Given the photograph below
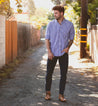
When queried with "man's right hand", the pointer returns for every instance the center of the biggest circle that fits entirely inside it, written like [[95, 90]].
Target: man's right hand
[[50, 55]]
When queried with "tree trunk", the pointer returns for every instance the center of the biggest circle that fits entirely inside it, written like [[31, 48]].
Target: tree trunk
[[83, 24]]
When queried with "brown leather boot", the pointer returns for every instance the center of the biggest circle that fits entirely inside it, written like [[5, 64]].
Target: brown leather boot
[[48, 95], [61, 98]]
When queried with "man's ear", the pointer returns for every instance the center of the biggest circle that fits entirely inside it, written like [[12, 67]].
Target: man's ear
[[62, 13]]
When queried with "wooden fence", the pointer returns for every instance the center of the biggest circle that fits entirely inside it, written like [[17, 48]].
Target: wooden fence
[[11, 40], [19, 37], [93, 42], [28, 36]]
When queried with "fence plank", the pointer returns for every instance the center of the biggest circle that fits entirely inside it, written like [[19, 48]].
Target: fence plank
[[14, 40], [11, 40], [93, 41]]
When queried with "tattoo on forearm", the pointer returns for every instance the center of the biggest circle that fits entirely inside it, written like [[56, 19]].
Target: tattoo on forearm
[[70, 43]]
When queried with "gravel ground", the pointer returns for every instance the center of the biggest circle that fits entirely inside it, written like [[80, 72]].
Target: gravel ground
[[27, 82]]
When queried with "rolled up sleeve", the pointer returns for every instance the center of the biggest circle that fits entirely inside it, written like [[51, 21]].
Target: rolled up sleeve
[[47, 33], [72, 33]]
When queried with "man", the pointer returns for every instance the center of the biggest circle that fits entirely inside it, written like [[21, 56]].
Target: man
[[59, 37]]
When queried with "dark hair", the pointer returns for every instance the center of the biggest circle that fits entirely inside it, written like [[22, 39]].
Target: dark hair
[[59, 8]]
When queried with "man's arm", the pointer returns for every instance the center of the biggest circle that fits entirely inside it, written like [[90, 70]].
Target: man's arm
[[48, 45], [50, 54], [69, 45], [71, 37]]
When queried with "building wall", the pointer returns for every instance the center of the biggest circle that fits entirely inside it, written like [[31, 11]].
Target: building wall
[[93, 43], [2, 41]]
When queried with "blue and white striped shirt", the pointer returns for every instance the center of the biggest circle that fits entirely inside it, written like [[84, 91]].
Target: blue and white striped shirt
[[59, 35]]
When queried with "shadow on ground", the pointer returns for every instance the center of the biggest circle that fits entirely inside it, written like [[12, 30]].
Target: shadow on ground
[[26, 87]]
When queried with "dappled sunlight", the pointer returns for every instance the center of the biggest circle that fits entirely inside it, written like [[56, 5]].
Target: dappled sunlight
[[76, 62], [79, 73], [44, 60], [82, 65], [89, 95], [51, 103], [55, 77], [55, 103], [42, 39], [26, 85], [39, 89], [86, 90], [45, 56], [39, 76], [39, 103], [84, 85]]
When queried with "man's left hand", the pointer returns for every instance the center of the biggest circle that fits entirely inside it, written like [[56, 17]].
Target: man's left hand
[[66, 50]]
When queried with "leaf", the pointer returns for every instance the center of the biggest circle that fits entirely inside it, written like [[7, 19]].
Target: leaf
[[1, 1], [82, 73]]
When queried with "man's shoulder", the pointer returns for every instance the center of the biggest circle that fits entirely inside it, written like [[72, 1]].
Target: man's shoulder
[[52, 22]]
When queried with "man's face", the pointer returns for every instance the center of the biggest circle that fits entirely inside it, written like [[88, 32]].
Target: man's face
[[57, 14]]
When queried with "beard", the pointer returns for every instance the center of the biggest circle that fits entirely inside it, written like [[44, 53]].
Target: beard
[[57, 18]]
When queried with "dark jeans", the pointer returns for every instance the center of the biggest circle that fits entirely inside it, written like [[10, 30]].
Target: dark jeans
[[63, 62]]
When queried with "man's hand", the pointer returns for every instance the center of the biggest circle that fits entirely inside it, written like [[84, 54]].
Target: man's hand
[[66, 50], [50, 55]]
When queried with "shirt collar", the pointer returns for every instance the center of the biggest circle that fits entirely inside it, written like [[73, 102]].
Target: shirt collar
[[61, 22]]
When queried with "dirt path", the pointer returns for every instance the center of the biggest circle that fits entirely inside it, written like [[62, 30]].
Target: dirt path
[[26, 85]]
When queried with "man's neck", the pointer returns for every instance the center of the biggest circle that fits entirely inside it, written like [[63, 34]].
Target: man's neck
[[60, 20]]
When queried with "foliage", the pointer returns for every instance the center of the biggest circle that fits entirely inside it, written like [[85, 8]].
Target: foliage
[[92, 11], [76, 7], [5, 8], [76, 4], [62, 2], [39, 19], [19, 6], [92, 5], [1, 1], [29, 6], [56, 2], [50, 16], [71, 15]]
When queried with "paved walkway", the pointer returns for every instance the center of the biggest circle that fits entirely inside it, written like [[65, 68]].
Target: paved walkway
[[26, 85]]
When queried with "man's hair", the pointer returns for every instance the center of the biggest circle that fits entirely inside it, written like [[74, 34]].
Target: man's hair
[[59, 8]]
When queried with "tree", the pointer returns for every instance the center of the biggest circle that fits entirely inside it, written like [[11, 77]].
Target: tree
[[19, 6], [62, 2], [29, 6], [5, 8], [50, 16], [83, 24], [39, 19], [93, 4], [56, 2]]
